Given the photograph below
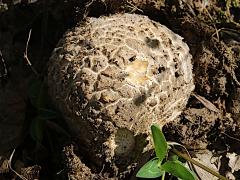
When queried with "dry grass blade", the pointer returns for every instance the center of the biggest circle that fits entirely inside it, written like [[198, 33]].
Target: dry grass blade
[[206, 103], [133, 7], [191, 166], [209, 170], [26, 54], [87, 7], [10, 167], [236, 139]]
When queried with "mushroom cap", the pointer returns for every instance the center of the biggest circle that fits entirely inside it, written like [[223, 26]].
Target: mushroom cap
[[112, 77]]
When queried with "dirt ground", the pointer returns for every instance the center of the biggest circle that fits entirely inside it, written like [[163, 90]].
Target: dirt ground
[[29, 123]]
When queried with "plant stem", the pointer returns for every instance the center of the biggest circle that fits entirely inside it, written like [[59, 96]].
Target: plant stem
[[163, 176], [199, 164]]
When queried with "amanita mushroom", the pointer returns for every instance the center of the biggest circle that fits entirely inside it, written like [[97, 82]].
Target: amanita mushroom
[[114, 76]]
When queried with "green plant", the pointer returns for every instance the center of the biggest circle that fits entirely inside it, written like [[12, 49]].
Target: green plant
[[37, 94], [159, 165], [43, 115], [165, 162]]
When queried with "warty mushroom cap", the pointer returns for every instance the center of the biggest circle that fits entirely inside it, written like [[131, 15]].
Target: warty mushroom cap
[[114, 76]]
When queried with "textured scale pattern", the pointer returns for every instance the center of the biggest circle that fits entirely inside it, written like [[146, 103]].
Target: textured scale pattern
[[123, 71]]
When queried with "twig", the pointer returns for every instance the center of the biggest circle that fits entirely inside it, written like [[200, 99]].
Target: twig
[[26, 54], [184, 156]]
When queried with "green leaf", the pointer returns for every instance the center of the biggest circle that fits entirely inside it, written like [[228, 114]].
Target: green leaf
[[150, 170], [37, 129], [174, 157], [37, 93], [160, 143], [47, 114], [33, 91], [178, 169]]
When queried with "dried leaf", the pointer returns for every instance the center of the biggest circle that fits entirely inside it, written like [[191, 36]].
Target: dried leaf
[[206, 103]]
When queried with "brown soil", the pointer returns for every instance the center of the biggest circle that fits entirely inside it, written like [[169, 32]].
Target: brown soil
[[43, 143]]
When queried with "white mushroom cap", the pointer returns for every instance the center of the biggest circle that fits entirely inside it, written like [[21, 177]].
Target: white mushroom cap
[[117, 74]]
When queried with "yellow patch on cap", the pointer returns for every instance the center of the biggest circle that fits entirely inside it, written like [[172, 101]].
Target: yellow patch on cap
[[137, 72]]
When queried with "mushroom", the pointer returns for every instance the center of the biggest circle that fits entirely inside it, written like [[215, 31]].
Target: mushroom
[[112, 77]]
